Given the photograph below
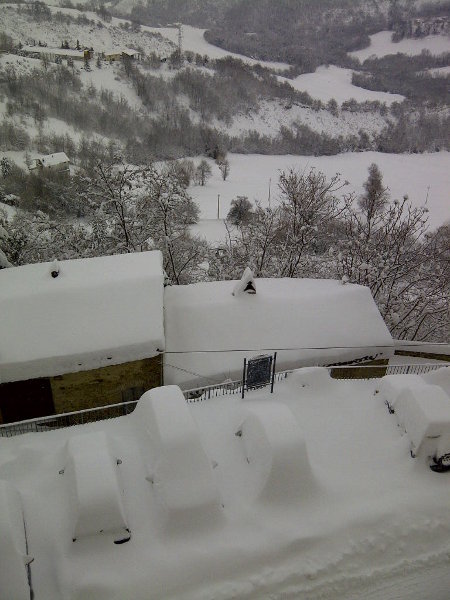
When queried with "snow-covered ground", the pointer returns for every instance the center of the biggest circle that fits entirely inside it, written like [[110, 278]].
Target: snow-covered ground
[[439, 71], [329, 82], [381, 44], [252, 175], [317, 497]]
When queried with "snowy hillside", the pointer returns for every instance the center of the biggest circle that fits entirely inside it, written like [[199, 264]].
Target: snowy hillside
[[309, 493], [273, 115], [101, 35]]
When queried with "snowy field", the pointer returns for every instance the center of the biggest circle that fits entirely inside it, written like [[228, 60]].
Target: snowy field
[[381, 44], [316, 498], [252, 175], [329, 82]]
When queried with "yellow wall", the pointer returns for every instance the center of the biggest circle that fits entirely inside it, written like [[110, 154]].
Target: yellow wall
[[88, 389]]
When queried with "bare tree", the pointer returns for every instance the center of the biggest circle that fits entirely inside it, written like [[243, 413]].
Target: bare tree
[[224, 167], [203, 172], [386, 246]]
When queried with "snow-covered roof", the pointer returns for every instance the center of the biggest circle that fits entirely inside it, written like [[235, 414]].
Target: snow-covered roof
[[69, 52], [96, 312], [116, 51], [210, 331], [130, 51], [51, 160], [319, 497]]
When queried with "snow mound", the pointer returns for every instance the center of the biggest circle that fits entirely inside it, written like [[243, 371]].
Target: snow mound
[[391, 386], [424, 413], [316, 378], [95, 494], [439, 377], [275, 449], [13, 545], [178, 467]]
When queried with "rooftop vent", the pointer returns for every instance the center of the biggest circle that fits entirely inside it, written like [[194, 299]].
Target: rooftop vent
[[54, 268], [246, 285]]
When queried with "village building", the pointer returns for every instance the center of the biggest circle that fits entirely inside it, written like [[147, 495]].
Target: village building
[[57, 162], [79, 333], [53, 53], [212, 327], [121, 54], [90, 332]]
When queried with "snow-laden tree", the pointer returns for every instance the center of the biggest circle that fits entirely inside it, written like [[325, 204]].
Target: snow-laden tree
[[38, 238], [203, 172], [224, 167], [309, 204], [129, 210], [4, 241], [148, 208], [240, 210], [385, 246], [281, 240]]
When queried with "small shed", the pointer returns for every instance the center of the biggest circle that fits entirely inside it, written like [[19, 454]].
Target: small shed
[[79, 333], [57, 162]]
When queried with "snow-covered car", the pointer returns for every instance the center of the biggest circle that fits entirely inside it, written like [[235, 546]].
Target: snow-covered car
[[14, 557]]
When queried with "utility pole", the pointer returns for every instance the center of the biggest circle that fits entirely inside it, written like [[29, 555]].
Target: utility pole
[[218, 206], [180, 41]]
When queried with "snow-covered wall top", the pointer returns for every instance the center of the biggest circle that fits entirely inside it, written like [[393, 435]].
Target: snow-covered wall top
[[96, 312], [303, 319]]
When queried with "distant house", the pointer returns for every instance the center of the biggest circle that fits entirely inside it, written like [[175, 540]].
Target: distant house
[[79, 333], [53, 53], [58, 162], [211, 327], [115, 55]]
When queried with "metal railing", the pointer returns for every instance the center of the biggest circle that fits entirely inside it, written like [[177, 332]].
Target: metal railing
[[200, 394]]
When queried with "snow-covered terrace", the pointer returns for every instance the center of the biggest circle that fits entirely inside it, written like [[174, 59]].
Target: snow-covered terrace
[[307, 493]]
